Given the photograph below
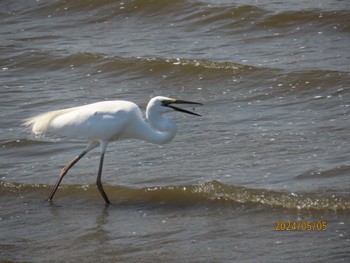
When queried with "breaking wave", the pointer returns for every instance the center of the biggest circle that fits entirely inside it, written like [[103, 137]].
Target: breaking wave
[[209, 193]]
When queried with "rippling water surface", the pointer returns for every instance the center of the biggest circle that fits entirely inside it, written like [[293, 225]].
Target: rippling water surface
[[271, 147]]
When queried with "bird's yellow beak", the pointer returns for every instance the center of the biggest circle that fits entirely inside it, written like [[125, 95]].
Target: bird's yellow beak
[[169, 102]]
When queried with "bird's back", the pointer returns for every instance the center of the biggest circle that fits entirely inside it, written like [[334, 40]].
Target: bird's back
[[98, 121]]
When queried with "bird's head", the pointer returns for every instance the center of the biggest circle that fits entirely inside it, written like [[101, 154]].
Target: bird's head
[[164, 104]]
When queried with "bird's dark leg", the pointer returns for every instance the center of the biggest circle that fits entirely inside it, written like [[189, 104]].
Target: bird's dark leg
[[98, 181], [64, 172]]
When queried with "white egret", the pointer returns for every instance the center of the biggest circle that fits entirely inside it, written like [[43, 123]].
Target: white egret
[[106, 121]]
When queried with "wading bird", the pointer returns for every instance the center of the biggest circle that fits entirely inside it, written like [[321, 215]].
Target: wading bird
[[106, 121]]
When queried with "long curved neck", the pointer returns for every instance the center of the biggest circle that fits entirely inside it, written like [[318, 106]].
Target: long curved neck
[[158, 130]]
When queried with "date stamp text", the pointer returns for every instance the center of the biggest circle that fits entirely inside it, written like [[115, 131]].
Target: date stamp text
[[300, 225]]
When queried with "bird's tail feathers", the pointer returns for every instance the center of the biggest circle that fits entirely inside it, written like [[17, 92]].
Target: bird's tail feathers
[[40, 123]]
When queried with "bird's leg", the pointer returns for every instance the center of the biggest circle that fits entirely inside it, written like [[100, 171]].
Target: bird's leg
[[64, 172], [98, 181]]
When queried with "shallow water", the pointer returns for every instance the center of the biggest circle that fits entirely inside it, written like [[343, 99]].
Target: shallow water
[[270, 148]]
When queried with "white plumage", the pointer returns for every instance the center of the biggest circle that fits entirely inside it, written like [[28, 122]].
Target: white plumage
[[106, 121]]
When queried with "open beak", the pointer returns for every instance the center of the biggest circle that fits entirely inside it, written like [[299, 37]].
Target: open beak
[[183, 102]]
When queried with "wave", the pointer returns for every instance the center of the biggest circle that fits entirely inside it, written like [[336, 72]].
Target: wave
[[338, 20], [194, 13], [99, 63], [206, 194], [96, 62], [105, 8], [24, 142], [317, 174]]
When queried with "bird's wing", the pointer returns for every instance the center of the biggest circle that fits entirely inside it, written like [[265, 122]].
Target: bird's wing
[[100, 121]]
